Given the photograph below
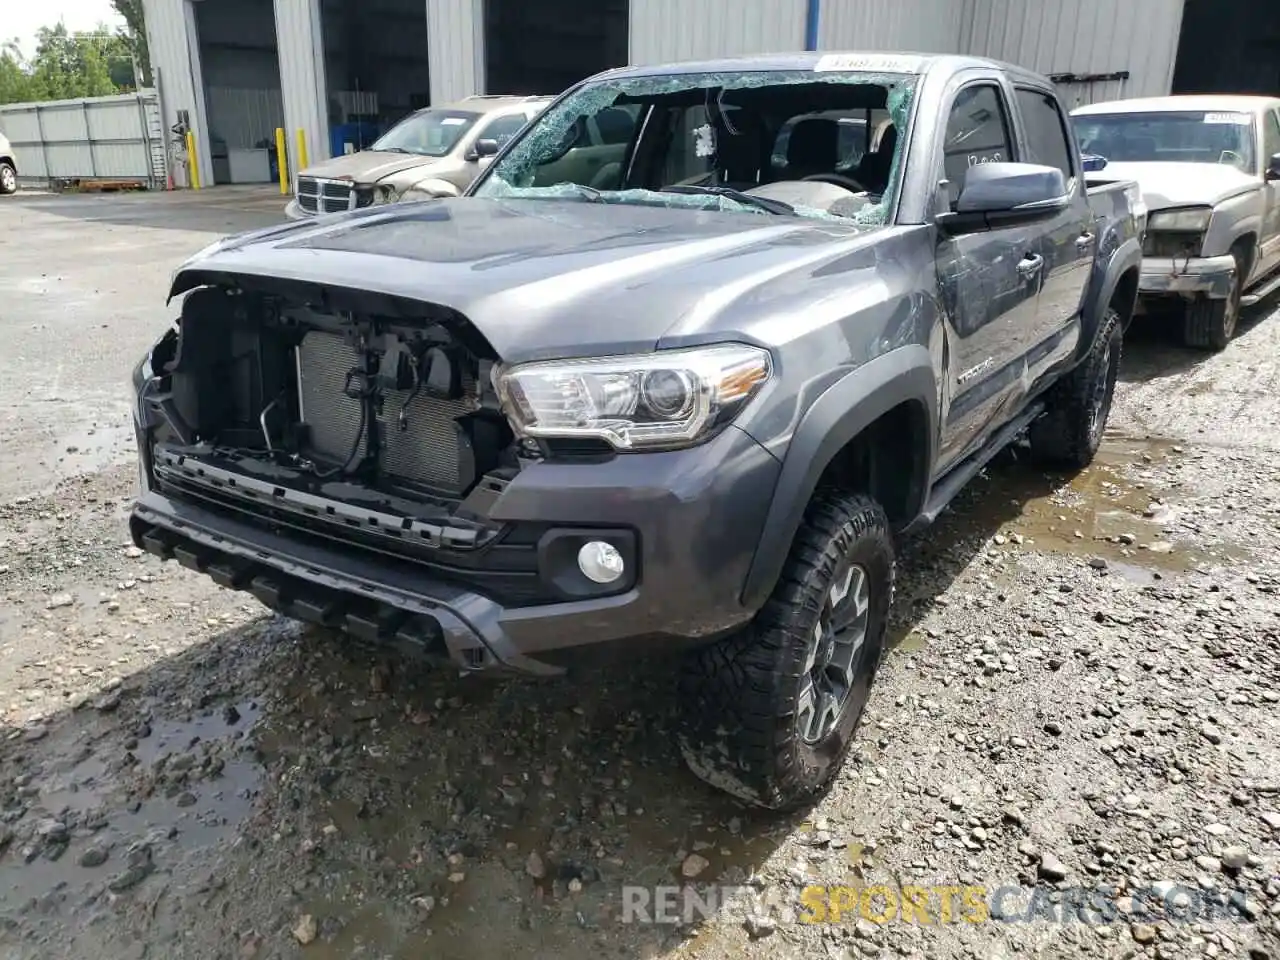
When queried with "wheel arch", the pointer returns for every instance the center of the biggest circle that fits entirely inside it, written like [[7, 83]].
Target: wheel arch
[[870, 428]]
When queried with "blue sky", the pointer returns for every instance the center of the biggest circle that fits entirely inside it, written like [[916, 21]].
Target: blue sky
[[21, 20]]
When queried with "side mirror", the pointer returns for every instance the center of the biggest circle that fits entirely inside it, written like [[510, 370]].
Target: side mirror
[[485, 148], [1273, 167], [1006, 194], [1092, 163]]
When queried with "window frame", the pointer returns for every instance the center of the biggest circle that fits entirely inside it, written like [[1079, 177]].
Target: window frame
[[1273, 114], [942, 197], [1068, 132]]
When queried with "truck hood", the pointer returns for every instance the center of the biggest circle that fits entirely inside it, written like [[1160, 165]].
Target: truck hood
[[1167, 185], [543, 279], [370, 166]]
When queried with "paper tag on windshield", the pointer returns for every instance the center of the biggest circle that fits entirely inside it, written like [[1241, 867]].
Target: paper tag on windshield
[[1240, 119], [704, 141], [452, 121]]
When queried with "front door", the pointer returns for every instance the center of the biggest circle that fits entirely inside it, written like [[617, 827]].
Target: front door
[[990, 283], [1269, 247]]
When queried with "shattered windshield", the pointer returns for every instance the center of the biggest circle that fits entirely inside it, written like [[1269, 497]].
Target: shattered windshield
[[808, 143], [1188, 136], [429, 133]]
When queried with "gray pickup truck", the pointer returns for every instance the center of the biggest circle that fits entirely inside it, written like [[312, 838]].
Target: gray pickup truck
[[690, 402]]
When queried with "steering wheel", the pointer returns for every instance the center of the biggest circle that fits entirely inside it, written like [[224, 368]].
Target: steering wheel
[[838, 180]]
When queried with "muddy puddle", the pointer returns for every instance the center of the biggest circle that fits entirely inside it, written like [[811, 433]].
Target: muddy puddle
[[1121, 513], [414, 838], [111, 808]]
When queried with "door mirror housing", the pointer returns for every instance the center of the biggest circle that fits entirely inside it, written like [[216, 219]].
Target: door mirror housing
[[1004, 195], [483, 148], [1092, 163], [1273, 167]]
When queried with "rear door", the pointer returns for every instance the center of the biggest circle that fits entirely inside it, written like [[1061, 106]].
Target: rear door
[[1068, 242], [990, 281], [1269, 248]]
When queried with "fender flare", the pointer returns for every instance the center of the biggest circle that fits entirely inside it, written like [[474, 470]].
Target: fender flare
[[1128, 256], [844, 410]]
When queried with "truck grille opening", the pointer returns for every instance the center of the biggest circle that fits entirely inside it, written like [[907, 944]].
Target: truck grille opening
[[421, 441], [394, 402]]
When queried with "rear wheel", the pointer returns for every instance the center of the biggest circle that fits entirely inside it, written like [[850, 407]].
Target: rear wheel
[[1210, 324], [8, 178], [770, 713], [1070, 432]]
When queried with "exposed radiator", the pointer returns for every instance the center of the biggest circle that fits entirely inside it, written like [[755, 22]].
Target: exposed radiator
[[426, 452]]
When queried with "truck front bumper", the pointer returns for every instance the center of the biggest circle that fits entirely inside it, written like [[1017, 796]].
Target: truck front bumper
[[693, 519], [1211, 277], [293, 210]]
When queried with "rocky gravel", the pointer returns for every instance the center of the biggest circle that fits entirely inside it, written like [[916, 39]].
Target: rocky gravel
[[1073, 749]]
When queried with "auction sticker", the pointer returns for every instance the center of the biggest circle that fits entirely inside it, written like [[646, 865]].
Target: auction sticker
[[1241, 119]]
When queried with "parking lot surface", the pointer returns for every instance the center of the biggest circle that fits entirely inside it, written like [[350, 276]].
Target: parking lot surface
[[1082, 696]]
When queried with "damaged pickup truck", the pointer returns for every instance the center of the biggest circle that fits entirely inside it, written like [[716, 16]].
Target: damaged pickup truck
[[678, 394]]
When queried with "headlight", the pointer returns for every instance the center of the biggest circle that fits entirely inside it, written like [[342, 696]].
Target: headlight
[[666, 399], [1189, 220]]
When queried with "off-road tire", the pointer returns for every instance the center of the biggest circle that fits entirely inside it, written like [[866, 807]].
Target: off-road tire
[[1069, 433], [741, 697], [8, 178], [1211, 324]]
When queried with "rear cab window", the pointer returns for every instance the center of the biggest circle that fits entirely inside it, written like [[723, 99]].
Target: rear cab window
[[1048, 138]]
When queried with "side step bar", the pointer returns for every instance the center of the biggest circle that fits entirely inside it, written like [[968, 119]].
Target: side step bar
[[946, 489], [1268, 288]]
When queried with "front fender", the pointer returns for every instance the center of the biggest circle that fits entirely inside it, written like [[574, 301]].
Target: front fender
[[434, 186], [1126, 257], [841, 413]]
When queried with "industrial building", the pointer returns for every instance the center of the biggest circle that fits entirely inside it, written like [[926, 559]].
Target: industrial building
[[342, 71]]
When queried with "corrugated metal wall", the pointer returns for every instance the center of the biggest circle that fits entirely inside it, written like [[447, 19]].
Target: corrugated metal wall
[[455, 46], [922, 26], [667, 30], [1081, 37], [103, 138], [302, 77], [176, 62]]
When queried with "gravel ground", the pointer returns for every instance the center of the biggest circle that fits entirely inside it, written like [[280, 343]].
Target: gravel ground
[[1082, 694]]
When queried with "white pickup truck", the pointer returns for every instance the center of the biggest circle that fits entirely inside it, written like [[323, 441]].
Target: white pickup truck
[[1209, 169]]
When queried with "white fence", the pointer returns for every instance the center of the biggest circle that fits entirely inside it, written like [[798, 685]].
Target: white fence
[[95, 138]]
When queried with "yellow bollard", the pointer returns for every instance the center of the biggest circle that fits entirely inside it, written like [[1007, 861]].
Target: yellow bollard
[[302, 150], [193, 167], [282, 162]]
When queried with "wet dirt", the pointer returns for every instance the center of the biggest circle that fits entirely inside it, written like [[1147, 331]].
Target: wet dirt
[[1121, 513], [184, 776]]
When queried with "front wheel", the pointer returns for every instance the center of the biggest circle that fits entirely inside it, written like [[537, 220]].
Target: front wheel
[[1211, 324], [8, 178], [1070, 432], [770, 712]]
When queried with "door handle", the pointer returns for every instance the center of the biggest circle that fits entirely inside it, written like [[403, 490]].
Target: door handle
[[1084, 242], [1030, 265]]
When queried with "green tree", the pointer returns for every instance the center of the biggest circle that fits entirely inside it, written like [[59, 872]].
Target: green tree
[[15, 78], [68, 66], [135, 36]]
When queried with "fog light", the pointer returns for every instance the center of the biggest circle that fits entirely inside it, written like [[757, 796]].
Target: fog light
[[600, 561]]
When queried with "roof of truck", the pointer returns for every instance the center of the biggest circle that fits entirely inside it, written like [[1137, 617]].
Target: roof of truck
[[1233, 103], [873, 61]]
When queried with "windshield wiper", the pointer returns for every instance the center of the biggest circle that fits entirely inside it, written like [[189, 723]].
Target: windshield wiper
[[746, 199], [391, 150]]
